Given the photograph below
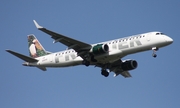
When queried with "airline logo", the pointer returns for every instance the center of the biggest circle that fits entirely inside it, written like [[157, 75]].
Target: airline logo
[[132, 43]]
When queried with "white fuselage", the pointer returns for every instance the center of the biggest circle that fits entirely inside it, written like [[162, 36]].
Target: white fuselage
[[118, 48]]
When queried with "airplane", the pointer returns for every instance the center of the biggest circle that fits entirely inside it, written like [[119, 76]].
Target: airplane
[[105, 55]]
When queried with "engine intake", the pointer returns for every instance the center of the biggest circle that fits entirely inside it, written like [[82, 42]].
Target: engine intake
[[129, 65], [100, 49]]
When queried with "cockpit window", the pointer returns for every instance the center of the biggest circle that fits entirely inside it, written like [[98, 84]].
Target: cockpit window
[[159, 33]]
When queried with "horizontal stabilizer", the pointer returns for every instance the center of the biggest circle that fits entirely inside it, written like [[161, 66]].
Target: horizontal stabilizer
[[21, 56]]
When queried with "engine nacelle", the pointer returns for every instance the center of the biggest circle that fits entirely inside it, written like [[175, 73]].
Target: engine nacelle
[[129, 65], [100, 49]]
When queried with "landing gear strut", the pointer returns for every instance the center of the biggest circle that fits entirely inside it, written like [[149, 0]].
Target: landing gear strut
[[104, 72], [85, 62], [92, 58], [88, 58], [154, 49]]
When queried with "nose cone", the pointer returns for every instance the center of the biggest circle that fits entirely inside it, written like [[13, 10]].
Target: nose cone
[[169, 40]]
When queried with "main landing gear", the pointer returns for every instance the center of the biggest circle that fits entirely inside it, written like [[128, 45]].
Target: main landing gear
[[85, 62], [154, 49], [104, 72], [88, 58]]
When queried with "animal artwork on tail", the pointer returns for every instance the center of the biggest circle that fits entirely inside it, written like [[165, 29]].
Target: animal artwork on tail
[[35, 47]]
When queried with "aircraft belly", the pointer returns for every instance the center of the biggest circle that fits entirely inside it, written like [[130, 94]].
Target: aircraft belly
[[63, 63], [136, 49], [110, 57], [69, 63]]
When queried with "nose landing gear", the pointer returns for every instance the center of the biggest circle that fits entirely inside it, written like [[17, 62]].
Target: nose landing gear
[[154, 49]]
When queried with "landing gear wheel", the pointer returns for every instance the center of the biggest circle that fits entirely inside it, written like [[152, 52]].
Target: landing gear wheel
[[86, 63], [104, 73], [154, 55]]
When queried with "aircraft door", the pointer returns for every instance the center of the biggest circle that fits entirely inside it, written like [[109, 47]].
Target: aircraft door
[[50, 57], [148, 36], [56, 58]]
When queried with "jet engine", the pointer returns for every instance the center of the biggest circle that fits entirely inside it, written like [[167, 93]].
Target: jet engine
[[129, 65], [100, 49]]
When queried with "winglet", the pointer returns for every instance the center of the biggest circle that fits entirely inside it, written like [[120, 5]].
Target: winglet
[[37, 25]]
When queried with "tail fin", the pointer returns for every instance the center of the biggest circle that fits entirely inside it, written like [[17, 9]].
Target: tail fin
[[35, 47]]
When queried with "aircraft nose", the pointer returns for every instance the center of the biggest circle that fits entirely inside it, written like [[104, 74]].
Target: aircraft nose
[[168, 39]]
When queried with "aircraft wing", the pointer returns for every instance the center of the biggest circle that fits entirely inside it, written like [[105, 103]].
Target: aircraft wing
[[116, 67], [78, 46]]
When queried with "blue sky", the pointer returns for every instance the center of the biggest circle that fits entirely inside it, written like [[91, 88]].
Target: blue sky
[[155, 83]]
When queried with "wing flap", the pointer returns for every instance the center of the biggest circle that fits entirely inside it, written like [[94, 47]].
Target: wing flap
[[126, 74]]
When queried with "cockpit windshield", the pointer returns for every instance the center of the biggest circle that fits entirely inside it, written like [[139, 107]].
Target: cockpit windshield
[[159, 33]]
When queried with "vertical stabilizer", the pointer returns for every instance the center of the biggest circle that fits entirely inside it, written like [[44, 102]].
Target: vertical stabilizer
[[35, 47]]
